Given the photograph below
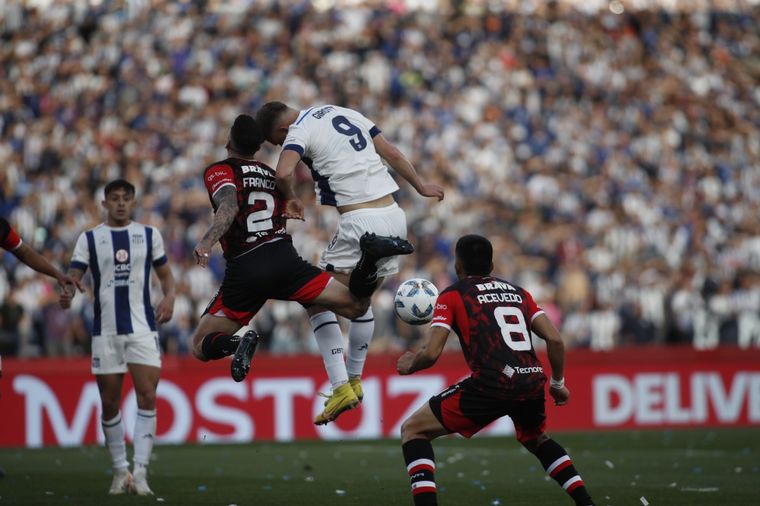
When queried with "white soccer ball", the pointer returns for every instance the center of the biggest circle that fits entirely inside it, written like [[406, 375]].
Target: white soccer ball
[[415, 301]]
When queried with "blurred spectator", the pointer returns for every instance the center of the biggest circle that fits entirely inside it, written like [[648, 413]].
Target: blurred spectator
[[613, 156]]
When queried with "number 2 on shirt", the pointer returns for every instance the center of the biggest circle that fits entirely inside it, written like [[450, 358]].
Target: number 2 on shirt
[[261, 219], [345, 127]]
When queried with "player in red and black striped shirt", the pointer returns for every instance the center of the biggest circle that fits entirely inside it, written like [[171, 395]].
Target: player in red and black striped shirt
[[10, 240], [262, 263], [494, 320]]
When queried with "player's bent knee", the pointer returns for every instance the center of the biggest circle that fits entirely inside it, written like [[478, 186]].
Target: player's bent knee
[[532, 444], [410, 429], [198, 352], [356, 309], [364, 305]]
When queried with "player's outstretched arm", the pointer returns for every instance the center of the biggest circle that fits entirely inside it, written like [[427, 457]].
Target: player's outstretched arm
[[40, 264], [286, 168], [68, 292], [404, 167], [555, 348], [426, 355], [226, 209], [165, 308]]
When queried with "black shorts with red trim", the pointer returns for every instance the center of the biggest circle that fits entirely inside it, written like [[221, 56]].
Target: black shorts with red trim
[[274, 270], [463, 409]]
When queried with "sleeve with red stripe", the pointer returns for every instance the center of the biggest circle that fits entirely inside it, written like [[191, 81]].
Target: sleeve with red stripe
[[531, 307], [443, 315], [9, 239], [218, 176]]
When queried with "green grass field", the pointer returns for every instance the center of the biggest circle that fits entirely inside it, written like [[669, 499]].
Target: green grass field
[[686, 467]]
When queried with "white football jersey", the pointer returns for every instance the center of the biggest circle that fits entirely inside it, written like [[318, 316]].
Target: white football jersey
[[344, 164], [120, 260]]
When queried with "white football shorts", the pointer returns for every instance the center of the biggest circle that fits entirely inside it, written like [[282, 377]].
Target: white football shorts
[[111, 354], [343, 251]]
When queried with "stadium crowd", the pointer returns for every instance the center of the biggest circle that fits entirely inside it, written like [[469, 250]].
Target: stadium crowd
[[613, 159]]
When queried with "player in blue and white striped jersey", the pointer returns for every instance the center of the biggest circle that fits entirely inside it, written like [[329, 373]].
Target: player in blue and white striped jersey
[[344, 151], [121, 255]]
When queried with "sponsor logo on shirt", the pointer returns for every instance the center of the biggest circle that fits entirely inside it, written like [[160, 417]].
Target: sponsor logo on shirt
[[247, 169], [510, 371], [215, 174], [122, 255], [494, 285]]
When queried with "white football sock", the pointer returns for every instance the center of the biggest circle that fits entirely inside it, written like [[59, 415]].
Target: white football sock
[[145, 433], [330, 342], [359, 335], [114, 431]]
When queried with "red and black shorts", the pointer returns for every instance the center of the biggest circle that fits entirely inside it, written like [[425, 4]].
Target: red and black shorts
[[271, 271], [463, 409]]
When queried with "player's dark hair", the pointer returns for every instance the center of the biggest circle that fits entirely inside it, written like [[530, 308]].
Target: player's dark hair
[[268, 115], [119, 184], [245, 135], [475, 254]]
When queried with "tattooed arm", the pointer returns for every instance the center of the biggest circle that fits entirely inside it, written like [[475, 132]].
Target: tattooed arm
[[226, 209]]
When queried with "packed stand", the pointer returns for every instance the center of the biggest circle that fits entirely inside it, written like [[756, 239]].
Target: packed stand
[[613, 159]]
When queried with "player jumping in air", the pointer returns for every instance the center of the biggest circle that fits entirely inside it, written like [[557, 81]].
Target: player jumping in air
[[494, 320], [262, 263], [343, 149], [121, 254]]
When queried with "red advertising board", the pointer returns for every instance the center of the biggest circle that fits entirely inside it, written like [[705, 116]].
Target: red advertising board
[[55, 402]]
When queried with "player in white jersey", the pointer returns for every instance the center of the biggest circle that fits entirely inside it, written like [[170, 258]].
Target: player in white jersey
[[121, 254], [344, 151]]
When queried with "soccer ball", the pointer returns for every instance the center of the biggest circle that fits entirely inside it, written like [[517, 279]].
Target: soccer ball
[[415, 301]]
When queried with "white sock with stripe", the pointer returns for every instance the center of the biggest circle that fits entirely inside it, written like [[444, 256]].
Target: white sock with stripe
[[145, 434], [330, 342], [359, 336], [113, 430]]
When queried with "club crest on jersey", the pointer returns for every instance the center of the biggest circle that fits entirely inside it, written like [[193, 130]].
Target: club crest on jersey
[[121, 255], [138, 239]]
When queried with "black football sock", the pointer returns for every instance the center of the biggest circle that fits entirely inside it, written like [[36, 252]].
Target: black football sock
[[420, 464], [557, 463], [218, 345], [363, 280]]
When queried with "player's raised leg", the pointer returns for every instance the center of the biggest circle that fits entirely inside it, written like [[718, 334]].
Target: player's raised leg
[[145, 379], [360, 333], [417, 432], [109, 386], [336, 298], [214, 337], [364, 280]]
